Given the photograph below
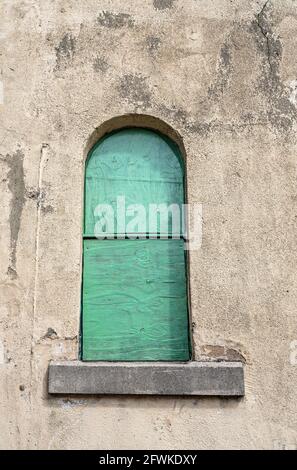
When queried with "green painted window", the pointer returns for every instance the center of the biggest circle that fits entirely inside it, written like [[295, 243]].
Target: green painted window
[[134, 299]]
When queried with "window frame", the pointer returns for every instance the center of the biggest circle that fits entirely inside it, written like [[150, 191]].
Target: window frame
[[199, 378]]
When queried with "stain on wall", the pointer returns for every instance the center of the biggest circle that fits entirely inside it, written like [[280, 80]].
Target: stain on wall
[[163, 4], [115, 20], [65, 51], [134, 88], [224, 69], [16, 185], [153, 43], [100, 64]]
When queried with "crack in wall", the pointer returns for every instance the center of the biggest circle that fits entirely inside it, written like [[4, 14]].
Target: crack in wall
[[42, 162], [52, 335], [281, 113], [262, 24]]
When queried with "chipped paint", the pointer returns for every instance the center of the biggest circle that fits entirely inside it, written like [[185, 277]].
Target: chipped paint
[[292, 85]]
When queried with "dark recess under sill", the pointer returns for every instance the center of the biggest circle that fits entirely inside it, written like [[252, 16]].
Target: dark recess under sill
[[192, 378]]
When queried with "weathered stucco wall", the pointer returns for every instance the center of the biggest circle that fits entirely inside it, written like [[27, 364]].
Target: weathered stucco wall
[[224, 75]]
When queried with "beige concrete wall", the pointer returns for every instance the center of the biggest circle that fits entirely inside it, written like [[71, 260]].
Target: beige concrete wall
[[221, 73]]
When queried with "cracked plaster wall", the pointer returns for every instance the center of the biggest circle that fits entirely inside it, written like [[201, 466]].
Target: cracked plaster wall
[[223, 74]]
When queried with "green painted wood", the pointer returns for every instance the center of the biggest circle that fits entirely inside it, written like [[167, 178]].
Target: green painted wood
[[134, 304], [135, 301], [139, 164]]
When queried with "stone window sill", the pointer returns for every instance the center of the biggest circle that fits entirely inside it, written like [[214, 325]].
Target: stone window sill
[[146, 378]]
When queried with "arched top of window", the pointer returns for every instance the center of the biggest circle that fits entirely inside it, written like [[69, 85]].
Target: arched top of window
[[147, 144], [140, 164]]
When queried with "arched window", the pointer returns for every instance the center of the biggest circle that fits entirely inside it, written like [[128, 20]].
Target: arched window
[[134, 300]]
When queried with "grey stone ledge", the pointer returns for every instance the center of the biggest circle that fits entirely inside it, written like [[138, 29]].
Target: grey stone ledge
[[147, 378]]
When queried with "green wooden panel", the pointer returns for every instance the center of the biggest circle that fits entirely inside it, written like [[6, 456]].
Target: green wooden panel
[[134, 300], [134, 291], [139, 164]]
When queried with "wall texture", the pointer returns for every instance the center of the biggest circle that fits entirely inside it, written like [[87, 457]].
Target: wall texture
[[223, 74]]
